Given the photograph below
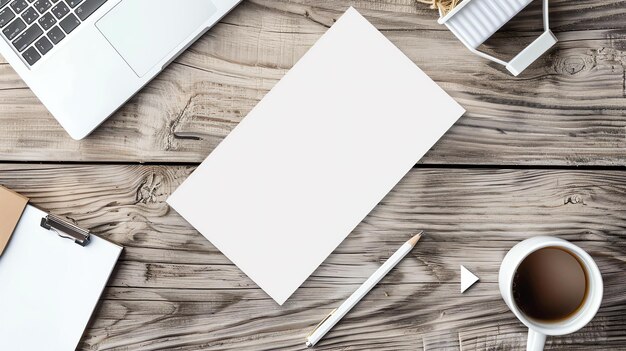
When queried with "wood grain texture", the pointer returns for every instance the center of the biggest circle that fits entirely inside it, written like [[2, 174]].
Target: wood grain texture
[[569, 108], [173, 290]]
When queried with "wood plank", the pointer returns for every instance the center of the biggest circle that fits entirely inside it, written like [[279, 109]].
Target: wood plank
[[173, 290], [567, 109]]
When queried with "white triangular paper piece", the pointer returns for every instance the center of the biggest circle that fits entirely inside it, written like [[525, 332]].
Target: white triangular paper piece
[[467, 279]]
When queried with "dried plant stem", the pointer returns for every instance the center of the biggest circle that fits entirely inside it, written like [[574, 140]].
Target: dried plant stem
[[444, 6]]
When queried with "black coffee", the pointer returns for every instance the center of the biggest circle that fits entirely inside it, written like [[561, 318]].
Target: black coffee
[[550, 284]]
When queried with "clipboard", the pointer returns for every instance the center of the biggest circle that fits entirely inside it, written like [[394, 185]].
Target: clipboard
[[52, 274]]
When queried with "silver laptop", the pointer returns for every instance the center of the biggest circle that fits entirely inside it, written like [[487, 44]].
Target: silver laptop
[[85, 58]]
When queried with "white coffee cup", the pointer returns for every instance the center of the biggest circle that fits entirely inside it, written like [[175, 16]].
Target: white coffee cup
[[538, 330]]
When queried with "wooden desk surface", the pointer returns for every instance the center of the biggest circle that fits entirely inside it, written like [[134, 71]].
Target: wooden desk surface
[[542, 154]]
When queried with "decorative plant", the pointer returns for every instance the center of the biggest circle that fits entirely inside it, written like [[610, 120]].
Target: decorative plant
[[444, 6]]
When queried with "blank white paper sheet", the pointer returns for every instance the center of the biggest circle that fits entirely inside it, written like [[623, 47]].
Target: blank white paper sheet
[[315, 156]]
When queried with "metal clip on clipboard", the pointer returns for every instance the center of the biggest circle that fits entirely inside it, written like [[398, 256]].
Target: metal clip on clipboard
[[12, 205], [66, 230]]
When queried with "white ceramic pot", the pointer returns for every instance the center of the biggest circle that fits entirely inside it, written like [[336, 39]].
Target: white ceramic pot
[[474, 21]]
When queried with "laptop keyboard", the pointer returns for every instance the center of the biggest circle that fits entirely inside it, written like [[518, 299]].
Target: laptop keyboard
[[33, 27]]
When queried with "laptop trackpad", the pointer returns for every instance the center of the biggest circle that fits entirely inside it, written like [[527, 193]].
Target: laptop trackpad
[[144, 32]]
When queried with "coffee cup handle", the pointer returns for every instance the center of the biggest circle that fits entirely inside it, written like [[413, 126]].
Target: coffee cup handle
[[536, 341]]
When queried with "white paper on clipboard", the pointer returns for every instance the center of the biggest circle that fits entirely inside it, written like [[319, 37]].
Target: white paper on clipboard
[[49, 286]]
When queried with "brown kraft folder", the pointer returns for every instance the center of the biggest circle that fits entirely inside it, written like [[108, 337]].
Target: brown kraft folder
[[11, 207]]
